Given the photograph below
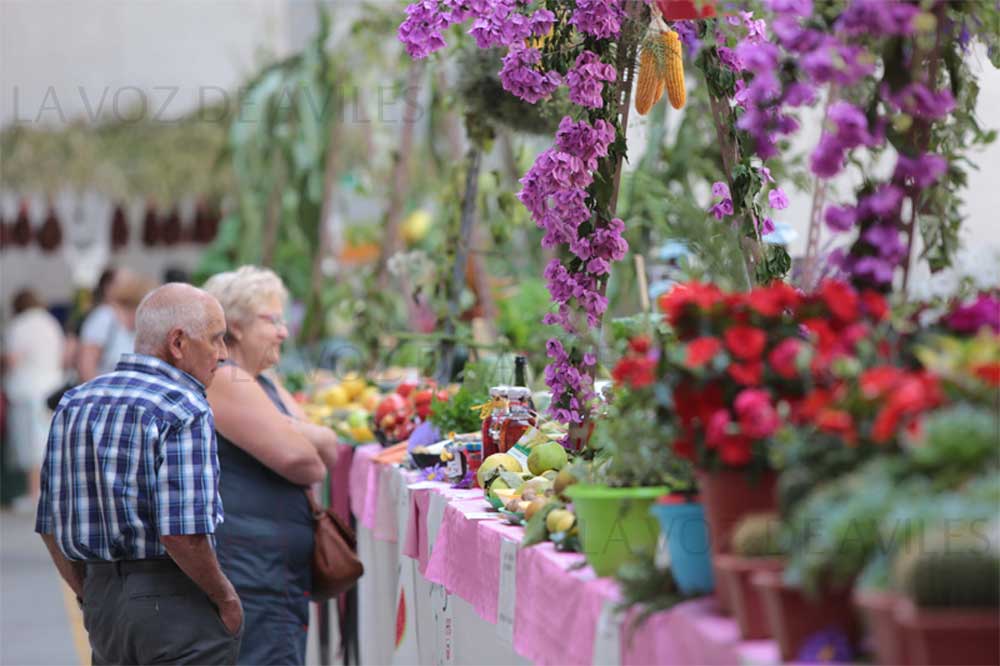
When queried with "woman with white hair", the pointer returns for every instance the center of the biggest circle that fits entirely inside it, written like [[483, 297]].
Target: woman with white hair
[[269, 455]]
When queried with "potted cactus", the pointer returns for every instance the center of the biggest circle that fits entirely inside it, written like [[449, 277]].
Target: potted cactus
[[951, 610], [756, 547]]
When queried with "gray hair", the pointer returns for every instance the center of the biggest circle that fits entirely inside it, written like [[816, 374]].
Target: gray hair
[[171, 306], [241, 292]]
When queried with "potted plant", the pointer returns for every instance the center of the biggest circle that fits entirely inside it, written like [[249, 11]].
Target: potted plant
[[631, 468], [952, 597], [756, 547]]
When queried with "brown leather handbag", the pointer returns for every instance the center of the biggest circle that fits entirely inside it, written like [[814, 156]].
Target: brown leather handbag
[[335, 564]]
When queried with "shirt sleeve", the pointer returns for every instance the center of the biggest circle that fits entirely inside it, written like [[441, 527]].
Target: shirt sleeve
[[187, 479], [44, 522], [97, 326]]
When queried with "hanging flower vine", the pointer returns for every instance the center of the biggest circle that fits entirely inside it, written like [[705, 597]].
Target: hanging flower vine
[[589, 47]]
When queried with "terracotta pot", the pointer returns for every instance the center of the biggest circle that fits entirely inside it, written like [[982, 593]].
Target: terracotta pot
[[878, 609], [744, 599], [966, 636], [729, 496], [793, 618], [723, 595], [685, 10]]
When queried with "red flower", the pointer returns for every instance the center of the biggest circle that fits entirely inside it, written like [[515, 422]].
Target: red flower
[[684, 448], [874, 304], [756, 414], [746, 342], [636, 371], [640, 344], [701, 351], [809, 408], [748, 374], [886, 422], [988, 372], [841, 299], [674, 302], [735, 451], [838, 422], [879, 380], [717, 428], [772, 300], [826, 339], [783, 358]]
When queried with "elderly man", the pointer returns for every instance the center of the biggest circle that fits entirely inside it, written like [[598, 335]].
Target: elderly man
[[129, 499]]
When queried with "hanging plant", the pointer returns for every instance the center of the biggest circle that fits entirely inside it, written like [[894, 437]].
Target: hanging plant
[[205, 225], [150, 226], [49, 235], [171, 229], [20, 233], [119, 229]]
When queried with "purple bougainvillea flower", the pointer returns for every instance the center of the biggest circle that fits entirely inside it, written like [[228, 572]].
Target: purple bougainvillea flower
[[720, 189], [970, 317], [777, 199], [922, 171], [841, 218]]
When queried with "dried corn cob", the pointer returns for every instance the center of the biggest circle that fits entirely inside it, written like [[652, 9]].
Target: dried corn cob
[[650, 83], [674, 78]]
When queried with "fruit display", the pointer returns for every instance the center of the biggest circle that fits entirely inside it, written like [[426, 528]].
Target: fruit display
[[345, 406]]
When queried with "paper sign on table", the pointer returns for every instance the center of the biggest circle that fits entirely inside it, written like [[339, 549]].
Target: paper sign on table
[[507, 594], [435, 514], [608, 637], [421, 485], [444, 615]]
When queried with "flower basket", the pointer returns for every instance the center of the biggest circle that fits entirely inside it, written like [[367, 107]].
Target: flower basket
[[744, 598], [683, 524], [878, 609], [794, 618], [949, 636], [615, 524], [685, 10]]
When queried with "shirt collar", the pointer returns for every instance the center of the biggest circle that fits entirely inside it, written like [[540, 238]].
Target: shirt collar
[[151, 365]]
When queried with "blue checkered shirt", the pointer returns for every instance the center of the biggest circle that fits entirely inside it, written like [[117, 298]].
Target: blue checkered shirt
[[131, 456]]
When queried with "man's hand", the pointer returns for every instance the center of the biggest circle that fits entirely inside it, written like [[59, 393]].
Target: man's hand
[[231, 612], [73, 572], [195, 556]]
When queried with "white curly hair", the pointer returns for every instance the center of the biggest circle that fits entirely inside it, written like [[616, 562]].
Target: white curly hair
[[242, 291]]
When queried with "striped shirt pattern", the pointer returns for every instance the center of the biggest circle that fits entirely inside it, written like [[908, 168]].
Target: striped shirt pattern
[[131, 456]]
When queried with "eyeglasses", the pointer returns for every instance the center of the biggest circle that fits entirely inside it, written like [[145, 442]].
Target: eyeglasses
[[277, 320]]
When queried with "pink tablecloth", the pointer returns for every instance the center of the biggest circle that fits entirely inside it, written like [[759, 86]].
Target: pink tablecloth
[[558, 604]]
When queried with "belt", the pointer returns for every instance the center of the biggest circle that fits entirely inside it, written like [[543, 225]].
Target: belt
[[124, 567]]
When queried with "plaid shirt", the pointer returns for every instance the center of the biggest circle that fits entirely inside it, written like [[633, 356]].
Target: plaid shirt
[[131, 456]]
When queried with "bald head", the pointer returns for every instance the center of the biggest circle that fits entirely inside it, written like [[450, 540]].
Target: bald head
[[183, 326], [168, 307]]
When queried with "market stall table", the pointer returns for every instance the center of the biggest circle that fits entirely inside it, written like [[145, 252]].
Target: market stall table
[[451, 576]]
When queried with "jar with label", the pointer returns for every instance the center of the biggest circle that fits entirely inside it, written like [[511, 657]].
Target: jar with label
[[519, 416], [473, 456], [491, 424]]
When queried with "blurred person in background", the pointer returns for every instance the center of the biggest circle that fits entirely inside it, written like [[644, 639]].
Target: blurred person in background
[[32, 363], [109, 331], [269, 455]]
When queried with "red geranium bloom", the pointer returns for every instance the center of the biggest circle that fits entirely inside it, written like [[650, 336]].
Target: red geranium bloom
[[736, 450], [748, 374], [886, 422], [988, 372], [875, 304], [772, 300], [639, 344], [838, 422], [684, 447], [757, 416], [703, 296], [879, 380], [854, 334], [717, 428], [826, 338], [808, 409], [636, 371], [783, 357], [746, 342], [701, 351], [840, 298]]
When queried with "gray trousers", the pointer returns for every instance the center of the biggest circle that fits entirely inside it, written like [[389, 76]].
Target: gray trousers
[[150, 612]]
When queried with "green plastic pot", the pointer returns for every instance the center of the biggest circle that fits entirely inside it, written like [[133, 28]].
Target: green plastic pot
[[615, 524]]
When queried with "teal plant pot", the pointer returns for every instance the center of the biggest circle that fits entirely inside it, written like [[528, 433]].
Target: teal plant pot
[[686, 532]]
